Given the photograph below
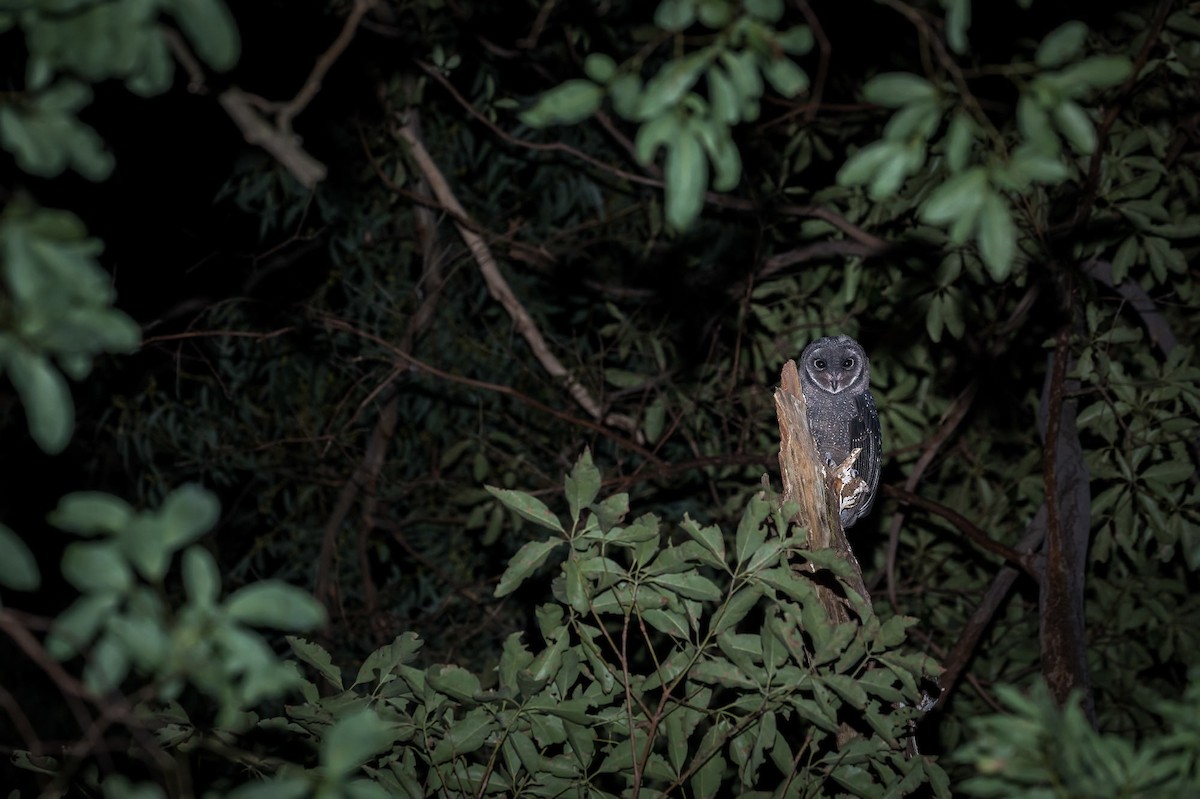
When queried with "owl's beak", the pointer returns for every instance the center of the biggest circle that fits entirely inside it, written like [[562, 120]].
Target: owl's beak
[[833, 383]]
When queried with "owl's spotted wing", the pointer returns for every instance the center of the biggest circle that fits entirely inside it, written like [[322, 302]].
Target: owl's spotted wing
[[865, 433]]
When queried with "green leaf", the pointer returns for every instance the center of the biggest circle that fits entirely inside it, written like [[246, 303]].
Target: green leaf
[[736, 609], [766, 10], [709, 537], [316, 656], [1034, 123], [568, 103], [997, 236], [690, 585], [275, 604], [600, 67], [211, 29], [1061, 45], [527, 506], [669, 86], [107, 665], [752, 530], [18, 567], [907, 159], [960, 137], [765, 555], [958, 21], [453, 681], [726, 160], [528, 558], [706, 781], [582, 484], [46, 398], [714, 14], [786, 76], [201, 579], [654, 134], [722, 96], [187, 513], [1098, 72], [1030, 165], [686, 179], [934, 320], [796, 41], [1074, 124], [464, 736], [351, 741], [76, 626], [95, 567], [896, 89], [88, 512], [675, 15], [385, 662], [862, 166], [1170, 472], [626, 94], [743, 71], [668, 621], [961, 195], [1126, 257]]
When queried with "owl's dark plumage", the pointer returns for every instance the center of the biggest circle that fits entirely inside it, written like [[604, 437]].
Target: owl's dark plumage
[[835, 378]]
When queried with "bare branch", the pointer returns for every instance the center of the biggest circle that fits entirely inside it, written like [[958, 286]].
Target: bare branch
[[292, 108], [500, 290]]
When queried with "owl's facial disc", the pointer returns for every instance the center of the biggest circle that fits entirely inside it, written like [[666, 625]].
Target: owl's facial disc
[[833, 376]]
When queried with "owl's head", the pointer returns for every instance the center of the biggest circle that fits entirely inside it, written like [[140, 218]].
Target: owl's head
[[835, 364]]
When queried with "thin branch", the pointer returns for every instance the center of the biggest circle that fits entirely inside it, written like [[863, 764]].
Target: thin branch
[[1091, 187], [292, 108], [810, 252], [826, 50], [967, 527], [711, 197], [282, 146], [958, 411], [509, 391], [539, 25], [499, 288]]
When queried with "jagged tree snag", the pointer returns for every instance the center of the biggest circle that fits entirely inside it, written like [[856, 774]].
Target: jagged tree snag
[[817, 493]]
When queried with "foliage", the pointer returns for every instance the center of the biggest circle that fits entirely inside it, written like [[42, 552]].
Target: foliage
[[1039, 750], [955, 184]]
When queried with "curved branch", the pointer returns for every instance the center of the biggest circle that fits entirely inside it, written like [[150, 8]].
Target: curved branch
[[499, 288]]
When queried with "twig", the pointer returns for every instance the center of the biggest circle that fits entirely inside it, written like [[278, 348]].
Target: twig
[[809, 252], [713, 198], [956, 662], [500, 290], [826, 50], [1091, 187], [539, 24], [968, 528], [292, 108], [950, 423], [191, 66], [509, 391], [283, 147]]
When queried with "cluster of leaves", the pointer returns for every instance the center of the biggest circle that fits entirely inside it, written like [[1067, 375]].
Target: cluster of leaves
[[1036, 744], [74, 43], [123, 628], [670, 111], [668, 663], [684, 658]]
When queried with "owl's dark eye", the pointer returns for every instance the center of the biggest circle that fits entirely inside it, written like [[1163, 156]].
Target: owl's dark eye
[[848, 363], [820, 364]]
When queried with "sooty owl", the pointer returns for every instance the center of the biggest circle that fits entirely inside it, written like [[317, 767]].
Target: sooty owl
[[841, 414]]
